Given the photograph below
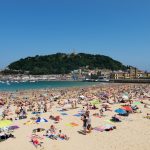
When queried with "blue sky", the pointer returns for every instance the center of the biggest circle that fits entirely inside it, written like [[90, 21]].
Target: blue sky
[[116, 28]]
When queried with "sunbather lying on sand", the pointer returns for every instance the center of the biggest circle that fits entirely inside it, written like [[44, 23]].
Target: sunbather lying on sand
[[36, 141], [5, 136], [55, 118], [116, 118]]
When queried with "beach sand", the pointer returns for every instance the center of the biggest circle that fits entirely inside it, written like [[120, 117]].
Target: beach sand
[[132, 133]]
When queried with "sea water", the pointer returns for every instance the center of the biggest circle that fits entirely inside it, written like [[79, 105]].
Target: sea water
[[13, 86]]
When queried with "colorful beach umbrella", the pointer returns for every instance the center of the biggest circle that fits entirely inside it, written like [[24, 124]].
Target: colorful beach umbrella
[[95, 102], [136, 103], [41, 120], [120, 111], [127, 108], [5, 123]]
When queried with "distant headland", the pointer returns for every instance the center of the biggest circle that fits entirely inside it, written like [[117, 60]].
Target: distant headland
[[62, 66], [61, 63]]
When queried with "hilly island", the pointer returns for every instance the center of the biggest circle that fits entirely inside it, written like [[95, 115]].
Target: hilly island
[[61, 63]]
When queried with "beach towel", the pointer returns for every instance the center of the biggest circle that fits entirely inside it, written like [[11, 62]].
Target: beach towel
[[77, 115], [101, 129], [29, 122], [109, 121], [97, 116], [64, 114], [68, 124], [35, 113], [106, 127], [60, 110], [72, 124]]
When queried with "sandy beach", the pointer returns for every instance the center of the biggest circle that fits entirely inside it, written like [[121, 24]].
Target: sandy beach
[[131, 132]]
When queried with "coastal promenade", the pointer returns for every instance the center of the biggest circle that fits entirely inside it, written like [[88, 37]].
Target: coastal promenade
[[130, 80]]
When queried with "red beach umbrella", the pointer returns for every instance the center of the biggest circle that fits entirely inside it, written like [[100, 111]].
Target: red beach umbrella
[[127, 108]]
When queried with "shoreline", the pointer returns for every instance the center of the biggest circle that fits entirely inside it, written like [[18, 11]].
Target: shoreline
[[107, 85]]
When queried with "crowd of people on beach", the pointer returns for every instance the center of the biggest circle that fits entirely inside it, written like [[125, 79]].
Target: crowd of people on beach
[[90, 102]]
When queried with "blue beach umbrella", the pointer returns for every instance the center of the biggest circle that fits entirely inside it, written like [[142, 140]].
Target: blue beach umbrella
[[120, 111]]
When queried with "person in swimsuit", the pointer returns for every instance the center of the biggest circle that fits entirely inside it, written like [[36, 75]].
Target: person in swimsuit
[[84, 124]]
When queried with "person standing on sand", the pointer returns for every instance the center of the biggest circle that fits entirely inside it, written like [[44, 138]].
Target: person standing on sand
[[89, 126], [84, 119], [17, 111]]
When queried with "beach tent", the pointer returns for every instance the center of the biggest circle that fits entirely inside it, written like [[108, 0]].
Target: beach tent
[[5, 123], [41, 120], [120, 111]]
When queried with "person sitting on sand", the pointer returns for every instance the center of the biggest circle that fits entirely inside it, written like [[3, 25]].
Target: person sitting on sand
[[101, 112], [94, 107], [83, 110], [52, 132], [63, 136], [17, 112], [147, 116], [106, 107]]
